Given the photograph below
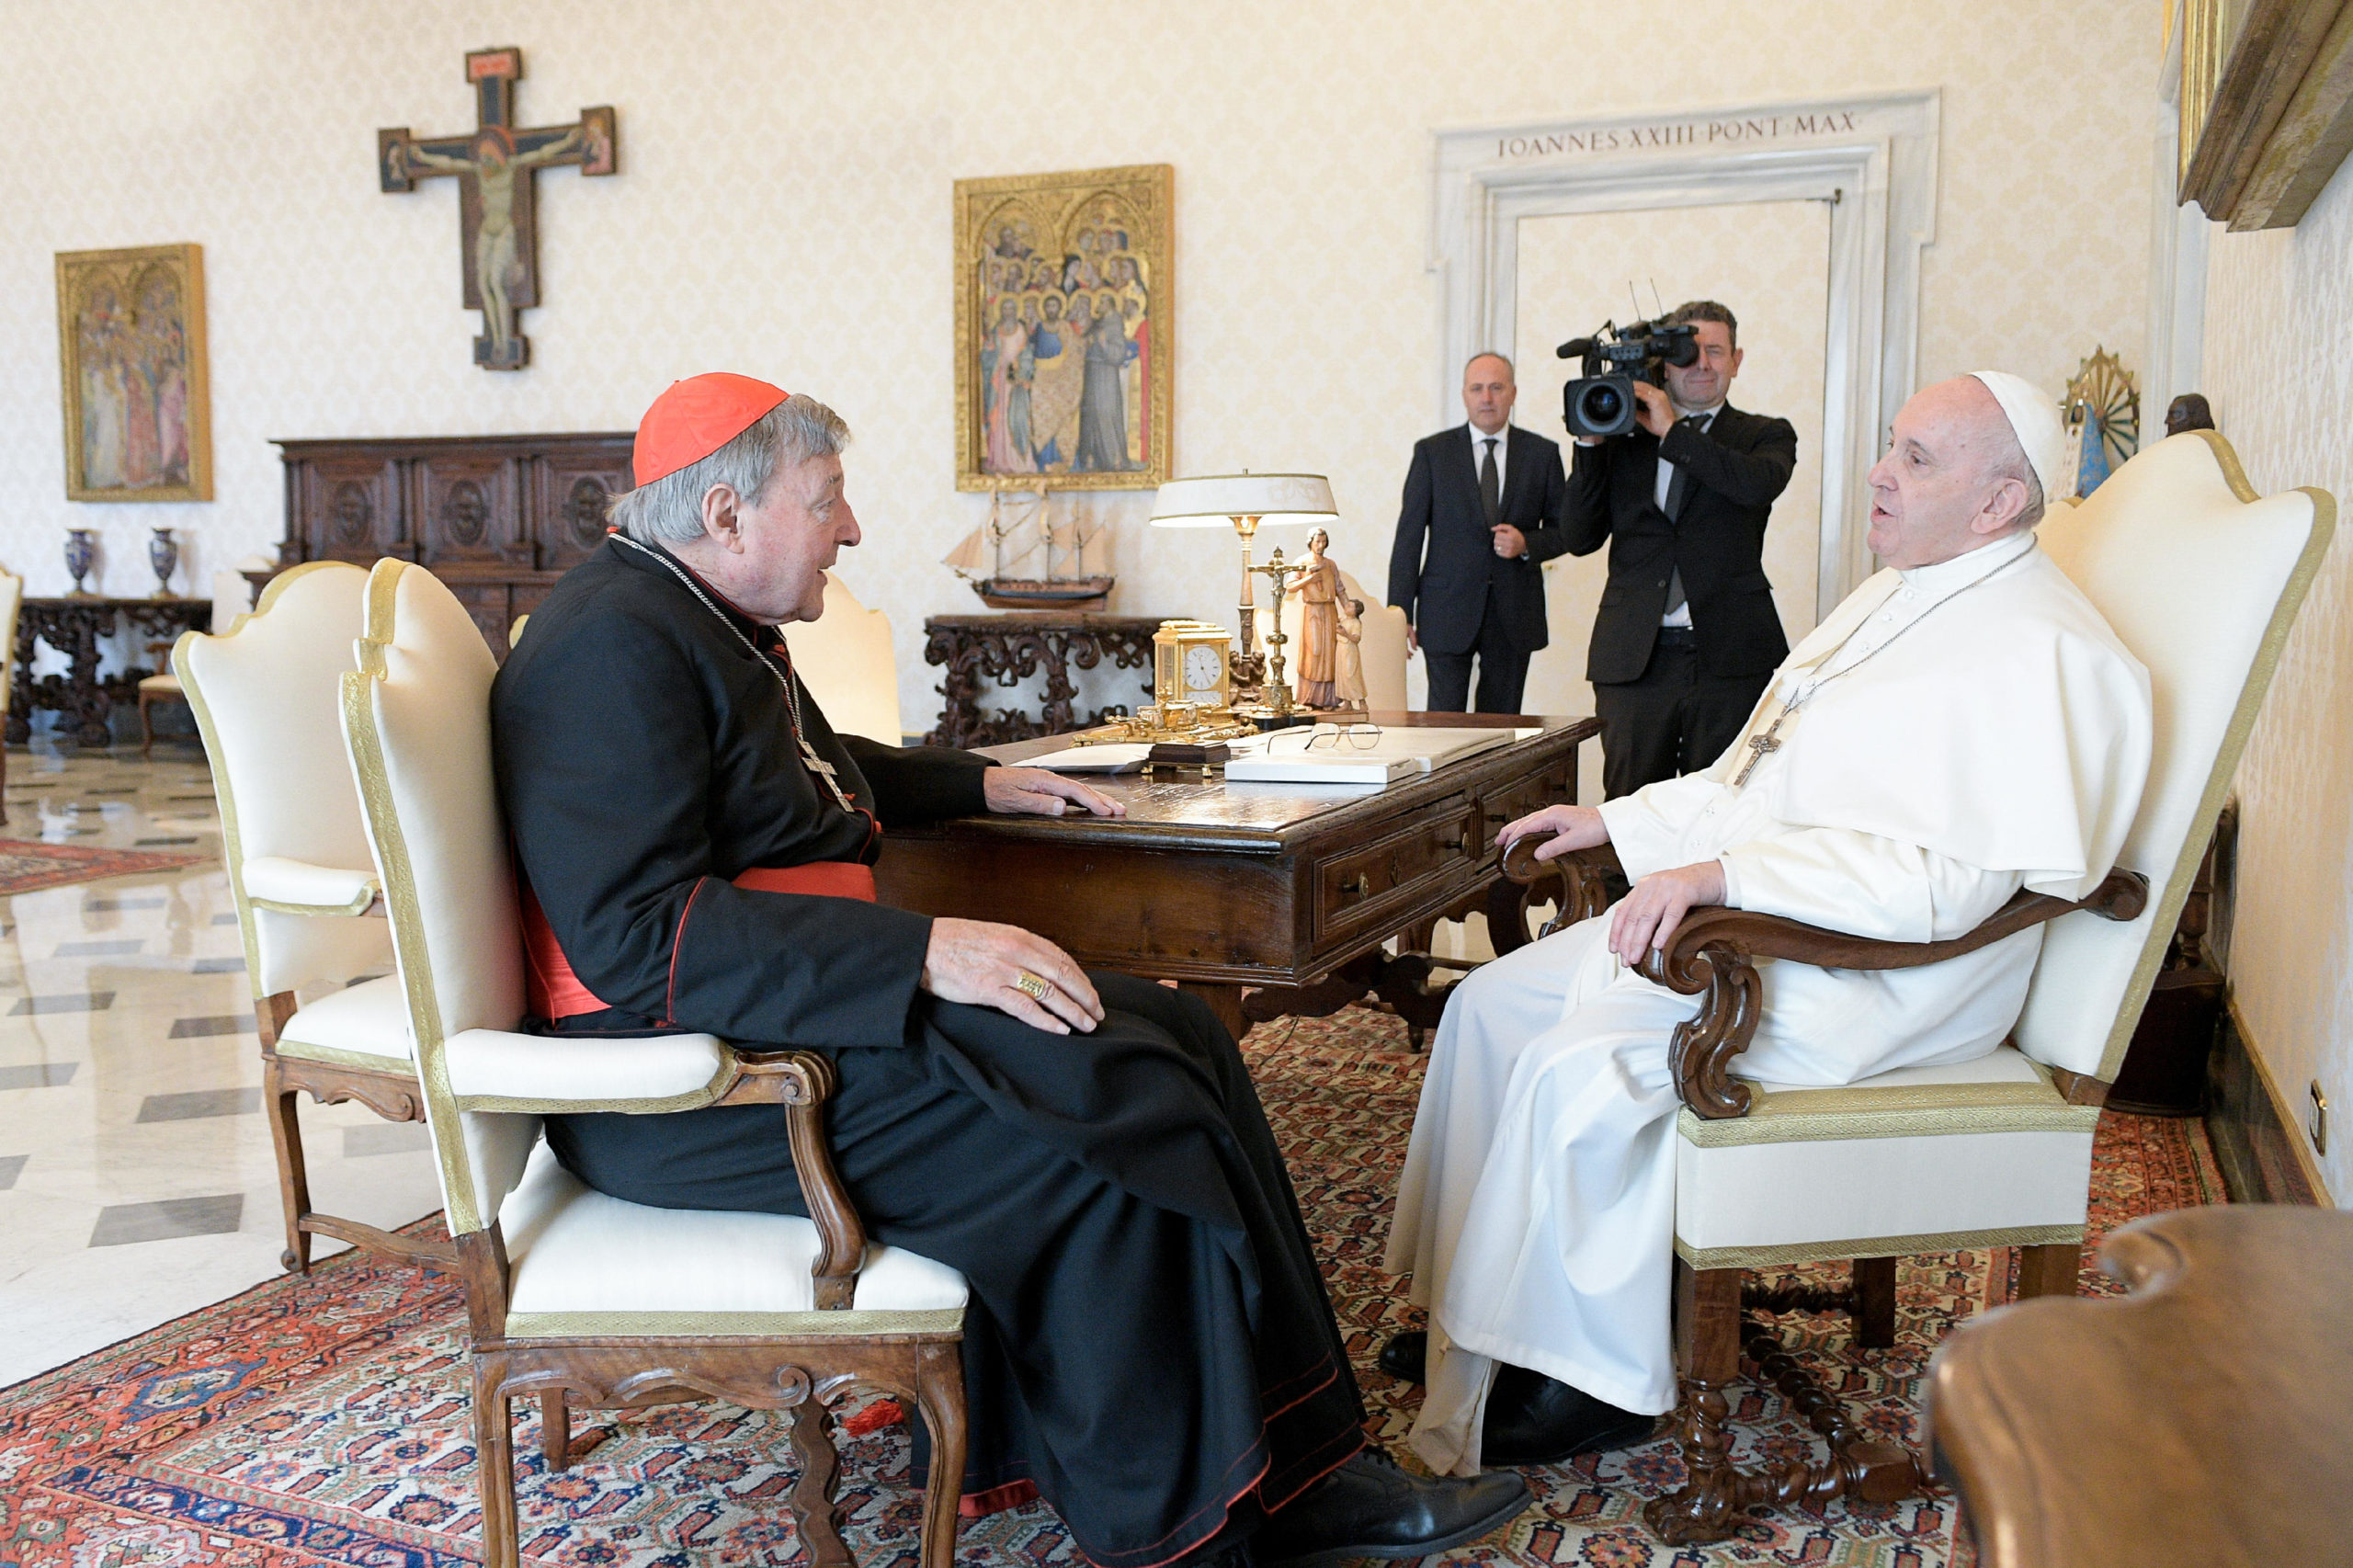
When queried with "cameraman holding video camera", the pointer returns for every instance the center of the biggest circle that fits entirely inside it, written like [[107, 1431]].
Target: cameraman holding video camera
[[1688, 635]]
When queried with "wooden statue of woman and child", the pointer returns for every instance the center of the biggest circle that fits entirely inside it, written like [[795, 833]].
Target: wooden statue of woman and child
[[1331, 633]]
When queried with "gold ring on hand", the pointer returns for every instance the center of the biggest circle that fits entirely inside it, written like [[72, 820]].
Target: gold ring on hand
[[1036, 986]]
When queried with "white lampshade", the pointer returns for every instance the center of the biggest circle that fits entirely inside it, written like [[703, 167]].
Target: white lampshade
[[1215, 502]]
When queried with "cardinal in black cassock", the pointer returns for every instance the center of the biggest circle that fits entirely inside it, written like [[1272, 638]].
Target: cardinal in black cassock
[[1147, 1344]]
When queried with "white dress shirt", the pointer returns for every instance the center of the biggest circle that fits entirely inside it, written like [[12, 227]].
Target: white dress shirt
[[1479, 439]]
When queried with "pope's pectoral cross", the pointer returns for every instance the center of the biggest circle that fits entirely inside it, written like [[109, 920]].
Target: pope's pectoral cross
[[495, 164], [1763, 745]]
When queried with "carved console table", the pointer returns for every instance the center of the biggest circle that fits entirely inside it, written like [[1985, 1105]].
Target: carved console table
[[1009, 649], [498, 518], [75, 626]]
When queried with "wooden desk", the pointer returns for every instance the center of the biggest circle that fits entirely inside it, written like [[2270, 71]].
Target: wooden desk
[[1226, 886], [2205, 1418]]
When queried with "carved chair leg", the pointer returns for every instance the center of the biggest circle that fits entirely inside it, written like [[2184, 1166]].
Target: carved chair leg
[[939, 1391], [2050, 1270], [1707, 1336], [814, 1512], [494, 1456], [293, 1177], [1874, 1302], [555, 1431], [146, 728]]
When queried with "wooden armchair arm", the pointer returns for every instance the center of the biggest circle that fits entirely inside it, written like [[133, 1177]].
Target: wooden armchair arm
[[802, 1081], [1590, 879], [1714, 949], [1713, 955]]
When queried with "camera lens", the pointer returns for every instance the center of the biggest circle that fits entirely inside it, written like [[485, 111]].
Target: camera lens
[[1601, 407]]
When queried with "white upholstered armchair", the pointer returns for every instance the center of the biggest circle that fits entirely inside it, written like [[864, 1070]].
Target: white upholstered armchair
[[2202, 579], [572, 1296], [266, 697]]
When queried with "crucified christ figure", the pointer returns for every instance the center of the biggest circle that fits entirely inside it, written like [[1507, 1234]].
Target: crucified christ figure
[[495, 164]]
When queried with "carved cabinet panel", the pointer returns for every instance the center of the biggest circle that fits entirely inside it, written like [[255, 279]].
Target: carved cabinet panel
[[498, 518]]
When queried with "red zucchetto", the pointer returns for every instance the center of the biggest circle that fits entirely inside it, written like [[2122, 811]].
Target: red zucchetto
[[695, 418]]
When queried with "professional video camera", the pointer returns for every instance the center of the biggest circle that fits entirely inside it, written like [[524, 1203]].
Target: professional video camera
[[1601, 401]]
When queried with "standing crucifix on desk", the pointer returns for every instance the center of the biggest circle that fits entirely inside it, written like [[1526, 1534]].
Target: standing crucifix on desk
[[495, 164]]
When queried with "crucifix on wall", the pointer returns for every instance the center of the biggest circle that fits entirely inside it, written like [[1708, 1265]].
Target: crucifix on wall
[[495, 164]]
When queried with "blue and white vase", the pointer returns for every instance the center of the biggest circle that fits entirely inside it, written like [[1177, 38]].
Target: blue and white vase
[[164, 555], [80, 555]]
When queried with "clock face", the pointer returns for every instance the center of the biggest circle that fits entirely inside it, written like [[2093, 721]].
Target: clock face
[[1204, 667]]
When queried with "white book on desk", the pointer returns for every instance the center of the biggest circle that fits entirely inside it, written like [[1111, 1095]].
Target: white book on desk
[[1320, 768], [1115, 759]]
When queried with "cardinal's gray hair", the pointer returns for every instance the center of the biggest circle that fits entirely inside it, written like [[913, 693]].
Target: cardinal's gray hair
[[669, 510]]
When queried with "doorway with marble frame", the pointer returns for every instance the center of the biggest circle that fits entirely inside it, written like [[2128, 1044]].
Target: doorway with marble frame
[[1864, 168], [1769, 262]]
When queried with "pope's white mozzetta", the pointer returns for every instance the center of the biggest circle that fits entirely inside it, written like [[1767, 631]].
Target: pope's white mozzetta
[[1951, 734]]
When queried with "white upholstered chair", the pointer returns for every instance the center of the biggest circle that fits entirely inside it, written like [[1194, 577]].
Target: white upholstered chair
[[1383, 647], [575, 1297], [2202, 579], [231, 596], [844, 657], [265, 691]]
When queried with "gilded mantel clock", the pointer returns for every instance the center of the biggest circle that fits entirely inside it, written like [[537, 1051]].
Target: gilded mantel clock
[[1190, 665]]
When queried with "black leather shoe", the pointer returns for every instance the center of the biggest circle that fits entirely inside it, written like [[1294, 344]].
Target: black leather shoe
[[1406, 1355], [1369, 1507], [1533, 1419]]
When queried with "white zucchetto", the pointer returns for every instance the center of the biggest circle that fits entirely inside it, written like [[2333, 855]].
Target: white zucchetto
[[2034, 417]]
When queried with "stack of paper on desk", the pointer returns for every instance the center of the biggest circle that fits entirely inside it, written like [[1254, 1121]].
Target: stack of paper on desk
[[1394, 754]]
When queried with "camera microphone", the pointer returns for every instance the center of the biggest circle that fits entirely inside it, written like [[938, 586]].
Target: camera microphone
[[1575, 349]]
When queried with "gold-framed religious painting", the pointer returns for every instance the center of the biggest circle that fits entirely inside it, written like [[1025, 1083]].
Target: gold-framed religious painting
[[130, 351], [1063, 330]]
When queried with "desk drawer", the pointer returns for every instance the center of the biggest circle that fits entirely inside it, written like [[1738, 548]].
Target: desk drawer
[[1362, 886], [1553, 784]]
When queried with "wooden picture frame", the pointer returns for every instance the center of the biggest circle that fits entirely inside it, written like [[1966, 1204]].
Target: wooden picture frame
[[2266, 105], [137, 396], [1035, 253]]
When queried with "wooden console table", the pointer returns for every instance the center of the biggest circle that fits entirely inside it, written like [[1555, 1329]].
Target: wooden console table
[[1009, 649], [1224, 887], [75, 625]]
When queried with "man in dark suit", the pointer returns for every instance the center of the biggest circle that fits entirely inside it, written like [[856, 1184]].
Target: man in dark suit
[[1486, 497], [1688, 635]]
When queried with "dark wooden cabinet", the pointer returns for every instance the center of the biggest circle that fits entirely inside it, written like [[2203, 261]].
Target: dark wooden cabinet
[[498, 518]]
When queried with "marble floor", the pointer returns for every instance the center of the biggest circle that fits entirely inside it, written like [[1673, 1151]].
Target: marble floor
[[137, 1181]]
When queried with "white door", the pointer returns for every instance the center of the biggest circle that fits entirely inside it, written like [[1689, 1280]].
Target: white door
[[1770, 262]]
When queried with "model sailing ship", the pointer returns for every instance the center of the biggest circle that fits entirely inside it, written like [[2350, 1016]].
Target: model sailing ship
[[1021, 539]]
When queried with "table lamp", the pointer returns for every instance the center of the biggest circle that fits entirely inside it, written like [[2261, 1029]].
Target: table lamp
[[1244, 501]]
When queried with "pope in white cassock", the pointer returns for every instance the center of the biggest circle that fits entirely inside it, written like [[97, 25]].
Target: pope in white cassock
[[1965, 724]]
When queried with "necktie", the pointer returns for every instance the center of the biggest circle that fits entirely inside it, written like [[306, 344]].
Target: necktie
[[1676, 488], [1491, 494]]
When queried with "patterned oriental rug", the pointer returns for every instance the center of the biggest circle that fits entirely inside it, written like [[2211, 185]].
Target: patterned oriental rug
[[27, 867], [324, 1421]]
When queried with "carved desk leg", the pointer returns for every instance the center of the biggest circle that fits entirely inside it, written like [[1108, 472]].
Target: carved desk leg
[[1225, 1001]]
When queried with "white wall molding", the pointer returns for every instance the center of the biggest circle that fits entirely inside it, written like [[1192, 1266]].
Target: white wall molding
[[1873, 156]]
